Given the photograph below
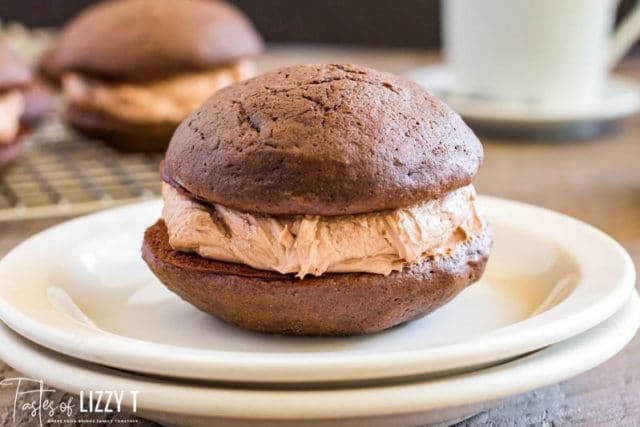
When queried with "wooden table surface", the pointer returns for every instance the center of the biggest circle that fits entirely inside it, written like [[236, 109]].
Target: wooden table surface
[[597, 181]]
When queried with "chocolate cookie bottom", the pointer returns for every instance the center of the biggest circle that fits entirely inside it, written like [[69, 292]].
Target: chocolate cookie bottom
[[332, 304], [122, 135]]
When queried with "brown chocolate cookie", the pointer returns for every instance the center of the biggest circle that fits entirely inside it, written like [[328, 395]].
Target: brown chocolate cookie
[[13, 70], [122, 135], [47, 67], [325, 140], [145, 39], [332, 304]]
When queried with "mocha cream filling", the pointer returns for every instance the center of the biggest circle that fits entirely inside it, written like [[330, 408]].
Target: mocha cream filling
[[170, 99], [12, 105], [374, 243]]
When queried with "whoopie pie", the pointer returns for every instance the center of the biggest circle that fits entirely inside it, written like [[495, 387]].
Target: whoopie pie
[[320, 200], [132, 70], [15, 75]]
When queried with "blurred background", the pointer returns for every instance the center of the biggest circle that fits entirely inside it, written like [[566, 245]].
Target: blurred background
[[391, 23], [405, 22]]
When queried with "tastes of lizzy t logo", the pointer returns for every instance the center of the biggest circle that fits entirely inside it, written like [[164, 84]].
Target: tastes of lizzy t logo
[[33, 400]]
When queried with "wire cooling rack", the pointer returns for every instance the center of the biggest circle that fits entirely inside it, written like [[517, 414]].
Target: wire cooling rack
[[63, 173]]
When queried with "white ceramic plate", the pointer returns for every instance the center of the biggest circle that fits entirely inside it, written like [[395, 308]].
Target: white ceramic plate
[[415, 402], [621, 98], [82, 289]]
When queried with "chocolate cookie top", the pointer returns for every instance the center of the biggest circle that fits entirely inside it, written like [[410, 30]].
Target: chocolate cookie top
[[145, 39], [323, 140], [13, 70]]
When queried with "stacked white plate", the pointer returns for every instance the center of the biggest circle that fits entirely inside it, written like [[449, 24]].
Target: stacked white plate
[[83, 312]]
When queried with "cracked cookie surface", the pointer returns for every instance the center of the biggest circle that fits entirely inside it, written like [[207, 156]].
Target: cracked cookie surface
[[322, 140]]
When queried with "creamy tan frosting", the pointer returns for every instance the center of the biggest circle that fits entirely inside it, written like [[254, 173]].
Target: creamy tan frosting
[[12, 107], [379, 242], [170, 99]]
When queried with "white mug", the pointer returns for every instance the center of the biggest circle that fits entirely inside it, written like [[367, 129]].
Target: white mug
[[553, 53]]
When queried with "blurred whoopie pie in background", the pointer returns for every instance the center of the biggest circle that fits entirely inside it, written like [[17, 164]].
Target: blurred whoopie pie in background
[[320, 200], [41, 101], [132, 70], [15, 76]]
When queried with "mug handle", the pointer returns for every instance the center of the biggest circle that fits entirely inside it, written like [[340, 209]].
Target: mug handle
[[624, 38]]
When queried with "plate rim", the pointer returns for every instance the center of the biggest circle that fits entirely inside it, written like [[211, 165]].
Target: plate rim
[[134, 355], [559, 362]]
